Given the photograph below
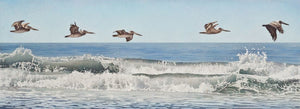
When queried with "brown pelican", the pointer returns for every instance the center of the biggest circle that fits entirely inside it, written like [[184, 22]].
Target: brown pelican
[[75, 33], [21, 28], [210, 28], [123, 34], [273, 26]]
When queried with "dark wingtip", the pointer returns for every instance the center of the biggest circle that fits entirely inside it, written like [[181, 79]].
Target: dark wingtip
[[274, 39]]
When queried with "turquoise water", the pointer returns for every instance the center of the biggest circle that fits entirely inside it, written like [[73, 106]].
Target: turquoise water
[[150, 75]]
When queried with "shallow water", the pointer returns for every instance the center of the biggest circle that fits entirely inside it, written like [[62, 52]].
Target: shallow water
[[57, 98], [151, 75]]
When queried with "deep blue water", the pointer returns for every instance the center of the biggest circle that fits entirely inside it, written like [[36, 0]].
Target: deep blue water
[[178, 52]]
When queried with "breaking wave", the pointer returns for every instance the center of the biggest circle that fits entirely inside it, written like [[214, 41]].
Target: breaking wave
[[251, 74]]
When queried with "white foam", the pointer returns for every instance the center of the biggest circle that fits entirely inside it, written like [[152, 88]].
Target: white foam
[[106, 81], [256, 63]]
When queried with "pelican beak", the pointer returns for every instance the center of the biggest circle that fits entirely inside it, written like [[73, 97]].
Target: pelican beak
[[138, 34], [226, 30], [34, 29], [90, 32], [285, 23]]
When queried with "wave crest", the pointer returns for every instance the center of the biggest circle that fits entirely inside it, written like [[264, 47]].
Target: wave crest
[[251, 74], [24, 59]]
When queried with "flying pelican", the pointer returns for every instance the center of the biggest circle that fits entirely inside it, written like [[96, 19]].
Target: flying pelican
[[75, 33], [21, 28], [123, 34], [210, 28], [273, 26]]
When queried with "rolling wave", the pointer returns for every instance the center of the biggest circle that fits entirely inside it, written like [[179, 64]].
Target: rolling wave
[[251, 74], [24, 59]]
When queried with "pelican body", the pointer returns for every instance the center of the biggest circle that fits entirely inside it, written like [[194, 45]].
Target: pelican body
[[21, 27], [273, 26], [75, 33], [123, 34], [210, 28]]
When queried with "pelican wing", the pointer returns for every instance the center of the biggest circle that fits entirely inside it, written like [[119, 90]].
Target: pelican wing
[[209, 25], [272, 31], [277, 26], [129, 38], [280, 29], [17, 24], [213, 22], [74, 29], [24, 25], [213, 26], [211, 30], [120, 32]]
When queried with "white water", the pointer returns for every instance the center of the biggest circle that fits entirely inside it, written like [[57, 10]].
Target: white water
[[255, 64]]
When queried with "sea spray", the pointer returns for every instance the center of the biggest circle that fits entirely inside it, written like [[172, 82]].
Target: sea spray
[[252, 73]]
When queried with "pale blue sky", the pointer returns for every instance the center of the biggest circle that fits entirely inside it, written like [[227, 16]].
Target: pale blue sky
[[157, 20]]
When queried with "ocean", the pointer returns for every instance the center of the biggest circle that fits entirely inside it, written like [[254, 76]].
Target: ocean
[[150, 75]]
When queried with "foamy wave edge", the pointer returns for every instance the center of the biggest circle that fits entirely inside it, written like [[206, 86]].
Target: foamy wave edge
[[251, 74]]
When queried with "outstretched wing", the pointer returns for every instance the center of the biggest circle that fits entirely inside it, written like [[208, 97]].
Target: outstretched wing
[[209, 25], [280, 29], [24, 25], [272, 31], [74, 29], [17, 24], [277, 25], [120, 32]]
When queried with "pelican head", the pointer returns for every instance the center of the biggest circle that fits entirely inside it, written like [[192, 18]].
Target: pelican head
[[281, 22], [132, 32], [224, 30]]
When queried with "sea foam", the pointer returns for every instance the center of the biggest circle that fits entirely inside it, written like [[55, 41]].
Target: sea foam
[[252, 73]]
